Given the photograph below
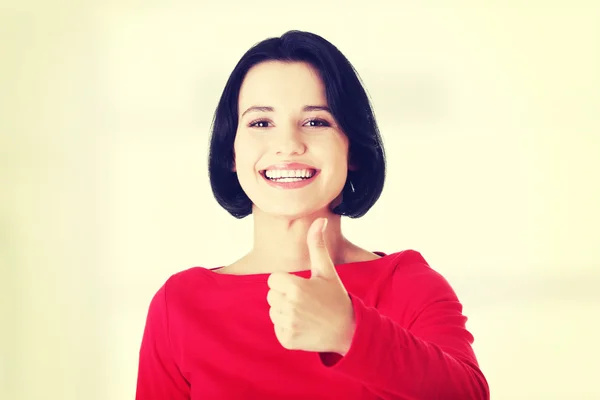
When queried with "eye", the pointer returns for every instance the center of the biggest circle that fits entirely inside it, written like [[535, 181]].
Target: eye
[[317, 122], [261, 123]]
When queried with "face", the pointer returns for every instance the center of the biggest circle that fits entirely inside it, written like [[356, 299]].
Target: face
[[291, 157]]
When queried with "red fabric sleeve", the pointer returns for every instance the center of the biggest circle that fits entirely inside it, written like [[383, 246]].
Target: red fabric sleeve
[[430, 359], [159, 377]]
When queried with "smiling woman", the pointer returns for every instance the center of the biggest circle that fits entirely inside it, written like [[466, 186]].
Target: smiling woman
[[306, 314], [297, 136]]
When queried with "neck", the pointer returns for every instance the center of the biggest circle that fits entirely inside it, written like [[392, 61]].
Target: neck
[[280, 243]]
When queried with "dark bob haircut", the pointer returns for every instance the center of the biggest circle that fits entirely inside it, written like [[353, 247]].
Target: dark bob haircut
[[349, 105]]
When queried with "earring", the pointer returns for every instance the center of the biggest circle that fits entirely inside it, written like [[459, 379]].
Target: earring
[[351, 186]]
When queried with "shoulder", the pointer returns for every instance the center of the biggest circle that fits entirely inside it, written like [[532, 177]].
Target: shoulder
[[412, 286], [412, 276], [182, 285], [188, 277], [405, 258], [181, 297]]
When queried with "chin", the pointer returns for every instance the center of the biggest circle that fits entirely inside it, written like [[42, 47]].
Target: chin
[[292, 204], [292, 211]]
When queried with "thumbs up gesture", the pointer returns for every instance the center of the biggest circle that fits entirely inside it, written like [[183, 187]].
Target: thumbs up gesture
[[313, 314]]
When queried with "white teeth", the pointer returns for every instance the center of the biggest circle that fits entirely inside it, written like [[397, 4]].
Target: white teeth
[[282, 174]]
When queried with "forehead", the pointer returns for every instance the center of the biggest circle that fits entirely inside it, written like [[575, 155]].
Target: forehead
[[283, 84]]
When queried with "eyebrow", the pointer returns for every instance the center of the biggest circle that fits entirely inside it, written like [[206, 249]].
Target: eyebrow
[[271, 109]]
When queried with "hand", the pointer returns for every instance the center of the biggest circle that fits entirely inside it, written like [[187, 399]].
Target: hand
[[314, 314]]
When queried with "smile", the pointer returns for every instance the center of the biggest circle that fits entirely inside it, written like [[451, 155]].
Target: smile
[[289, 178]]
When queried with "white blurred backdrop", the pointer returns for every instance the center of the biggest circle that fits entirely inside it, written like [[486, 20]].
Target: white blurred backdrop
[[490, 115]]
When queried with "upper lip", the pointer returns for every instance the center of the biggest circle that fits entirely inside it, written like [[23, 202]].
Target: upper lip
[[288, 166]]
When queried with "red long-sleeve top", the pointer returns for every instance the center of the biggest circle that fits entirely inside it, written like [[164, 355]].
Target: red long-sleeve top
[[209, 336]]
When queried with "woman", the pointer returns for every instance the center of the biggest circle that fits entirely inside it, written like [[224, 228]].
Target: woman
[[306, 314]]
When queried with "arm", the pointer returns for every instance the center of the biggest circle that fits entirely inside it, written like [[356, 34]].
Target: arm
[[158, 374], [431, 358]]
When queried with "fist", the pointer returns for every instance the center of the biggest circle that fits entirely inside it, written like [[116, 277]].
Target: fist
[[314, 314]]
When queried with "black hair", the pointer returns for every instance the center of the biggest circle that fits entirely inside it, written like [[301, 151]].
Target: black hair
[[349, 104]]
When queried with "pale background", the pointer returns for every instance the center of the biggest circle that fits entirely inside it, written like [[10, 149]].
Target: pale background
[[490, 116]]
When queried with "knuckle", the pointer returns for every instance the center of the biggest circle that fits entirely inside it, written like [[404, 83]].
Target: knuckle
[[272, 298], [294, 295], [294, 316]]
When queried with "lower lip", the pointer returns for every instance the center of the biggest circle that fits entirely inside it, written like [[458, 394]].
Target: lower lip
[[291, 185]]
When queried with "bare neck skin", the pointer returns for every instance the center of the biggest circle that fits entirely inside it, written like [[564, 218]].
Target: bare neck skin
[[280, 245]]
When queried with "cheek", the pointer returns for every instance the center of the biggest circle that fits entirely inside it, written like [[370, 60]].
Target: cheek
[[340, 149], [334, 157], [246, 153]]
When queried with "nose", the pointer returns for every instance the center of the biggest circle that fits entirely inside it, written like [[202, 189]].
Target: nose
[[288, 142]]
